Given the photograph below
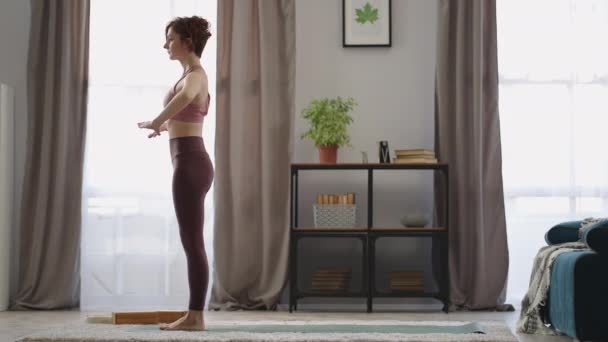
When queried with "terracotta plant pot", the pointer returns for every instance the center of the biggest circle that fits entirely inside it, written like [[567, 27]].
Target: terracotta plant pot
[[328, 154]]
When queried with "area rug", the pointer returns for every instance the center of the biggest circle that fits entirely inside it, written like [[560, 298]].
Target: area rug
[[297, 331]]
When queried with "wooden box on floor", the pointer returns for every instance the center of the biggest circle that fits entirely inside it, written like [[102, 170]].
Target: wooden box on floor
[[146, 317]]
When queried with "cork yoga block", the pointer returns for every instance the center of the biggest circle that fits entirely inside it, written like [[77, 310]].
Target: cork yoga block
[[146, 317]]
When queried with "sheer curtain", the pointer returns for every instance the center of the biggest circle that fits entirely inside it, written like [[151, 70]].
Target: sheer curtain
[[553, 66], [132, 256]]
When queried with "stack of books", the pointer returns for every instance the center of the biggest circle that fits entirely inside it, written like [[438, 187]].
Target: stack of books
[[331, 280], [415, 156], [410, 281], [347, 198]]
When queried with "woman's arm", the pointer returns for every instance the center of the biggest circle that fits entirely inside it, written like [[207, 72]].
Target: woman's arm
[[193, 82]]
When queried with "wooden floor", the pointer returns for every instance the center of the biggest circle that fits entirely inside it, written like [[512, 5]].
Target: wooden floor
[[15, 324]]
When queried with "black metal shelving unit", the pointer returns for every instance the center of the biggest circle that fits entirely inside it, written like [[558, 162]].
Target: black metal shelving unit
[[368, 236]]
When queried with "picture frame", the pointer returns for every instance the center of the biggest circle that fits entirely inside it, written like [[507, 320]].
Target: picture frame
[[366, 23]]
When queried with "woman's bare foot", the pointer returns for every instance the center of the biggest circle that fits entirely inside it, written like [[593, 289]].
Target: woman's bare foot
[[193, 320], [179, 320]]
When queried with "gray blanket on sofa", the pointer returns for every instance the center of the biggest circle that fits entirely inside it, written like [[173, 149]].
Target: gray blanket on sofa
[[532, 320]]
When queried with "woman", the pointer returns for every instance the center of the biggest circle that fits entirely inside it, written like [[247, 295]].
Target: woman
[[185, 107]]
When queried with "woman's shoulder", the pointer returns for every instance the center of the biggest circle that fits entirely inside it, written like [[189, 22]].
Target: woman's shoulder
[[198, 73]]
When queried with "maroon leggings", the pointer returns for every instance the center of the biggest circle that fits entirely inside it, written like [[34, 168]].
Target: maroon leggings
[[192, 178]]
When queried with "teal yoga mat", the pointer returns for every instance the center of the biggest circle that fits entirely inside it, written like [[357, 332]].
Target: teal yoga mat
[[469, 328]]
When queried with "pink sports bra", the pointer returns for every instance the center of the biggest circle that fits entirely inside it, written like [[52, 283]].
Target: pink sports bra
[[192, 112]]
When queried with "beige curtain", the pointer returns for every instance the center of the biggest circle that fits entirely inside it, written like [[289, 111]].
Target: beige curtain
[[255, 108], [467, 136], [49, 234]]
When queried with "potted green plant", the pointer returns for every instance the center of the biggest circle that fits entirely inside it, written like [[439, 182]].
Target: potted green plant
[[329, 120]]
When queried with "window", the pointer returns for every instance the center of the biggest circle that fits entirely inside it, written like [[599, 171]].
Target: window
[[553, 73], [131, 251]]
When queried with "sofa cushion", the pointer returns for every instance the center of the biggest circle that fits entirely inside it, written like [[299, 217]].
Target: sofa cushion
[[577, 295], [563, 232], [561, 292], [596, 236]]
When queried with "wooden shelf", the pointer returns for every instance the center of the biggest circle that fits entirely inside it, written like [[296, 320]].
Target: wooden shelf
[[409, 229], [347, 293], [363, 229], [367, 166], [354, 229], [405, 294], [369, 235]]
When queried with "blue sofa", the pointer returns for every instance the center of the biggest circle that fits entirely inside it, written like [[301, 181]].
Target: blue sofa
[[578, 294]]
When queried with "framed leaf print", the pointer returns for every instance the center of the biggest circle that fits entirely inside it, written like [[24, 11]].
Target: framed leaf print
[[366, 23]]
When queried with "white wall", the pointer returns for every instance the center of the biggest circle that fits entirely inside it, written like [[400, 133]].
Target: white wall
[[14, 40], [394, 88]]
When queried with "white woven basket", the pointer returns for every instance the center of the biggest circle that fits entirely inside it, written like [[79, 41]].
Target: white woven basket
[[334, 215]]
